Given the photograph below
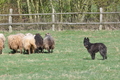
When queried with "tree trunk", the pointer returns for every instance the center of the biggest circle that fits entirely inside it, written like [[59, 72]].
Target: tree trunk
[[33, 5], [19, 9], [37, 11], [61, 18], [42, 9], [29, 10]]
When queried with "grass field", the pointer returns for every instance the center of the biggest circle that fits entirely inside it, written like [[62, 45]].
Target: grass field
[[69, 61]]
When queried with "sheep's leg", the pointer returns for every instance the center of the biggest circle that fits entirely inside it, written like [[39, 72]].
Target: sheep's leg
[[21, 51], [37, 50], [3, 46], [48, 50], [24, 50], [14, 51], [0, 51], [41, 50], [28, 51], [32, 50], [51, 50]]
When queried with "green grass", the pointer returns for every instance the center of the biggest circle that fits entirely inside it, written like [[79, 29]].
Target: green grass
[[69, 61]]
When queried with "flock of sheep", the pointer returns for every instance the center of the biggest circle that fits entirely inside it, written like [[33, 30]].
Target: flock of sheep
[[28, 42]]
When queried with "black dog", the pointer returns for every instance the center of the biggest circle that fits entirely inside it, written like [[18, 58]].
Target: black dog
[[94, 48]]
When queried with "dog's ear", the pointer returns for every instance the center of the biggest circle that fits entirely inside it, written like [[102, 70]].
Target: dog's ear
[[87, 38]]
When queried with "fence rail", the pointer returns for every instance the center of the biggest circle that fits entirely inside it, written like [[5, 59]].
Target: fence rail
[[68, 23], [53, 22], [60, 13]]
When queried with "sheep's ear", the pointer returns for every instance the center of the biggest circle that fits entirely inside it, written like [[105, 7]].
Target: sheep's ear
[[48, 33]]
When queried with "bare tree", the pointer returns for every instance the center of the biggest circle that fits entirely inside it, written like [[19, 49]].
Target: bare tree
[[29, 10]]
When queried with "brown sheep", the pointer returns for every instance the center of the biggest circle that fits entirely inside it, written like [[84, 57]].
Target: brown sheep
[[48, 42], [29, 44], [15, 42]]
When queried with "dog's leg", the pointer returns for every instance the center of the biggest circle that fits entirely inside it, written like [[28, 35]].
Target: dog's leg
[[93, 56], [105, 57], [103, 54]]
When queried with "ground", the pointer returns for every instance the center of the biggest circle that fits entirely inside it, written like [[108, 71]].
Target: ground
[[69, 61]]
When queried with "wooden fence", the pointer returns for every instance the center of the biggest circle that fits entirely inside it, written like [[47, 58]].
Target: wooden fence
[[100, 23]]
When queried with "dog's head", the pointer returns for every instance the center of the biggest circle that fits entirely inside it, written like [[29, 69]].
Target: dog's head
[[86, 42]]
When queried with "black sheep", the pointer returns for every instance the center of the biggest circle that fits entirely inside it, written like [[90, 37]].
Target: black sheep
[[39, 42]]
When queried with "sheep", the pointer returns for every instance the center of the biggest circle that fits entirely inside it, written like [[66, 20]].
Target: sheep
[[21, 34], [29, 34], [1, 45], [48, 42], [3, 38], [29, 44], [15, 42], [38, 42]]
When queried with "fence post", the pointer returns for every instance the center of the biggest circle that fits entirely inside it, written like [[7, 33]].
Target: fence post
[[10, 20], [53, 19], [100, 26]]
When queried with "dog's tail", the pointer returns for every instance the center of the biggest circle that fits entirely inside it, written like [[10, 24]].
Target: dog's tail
[[103, 51]]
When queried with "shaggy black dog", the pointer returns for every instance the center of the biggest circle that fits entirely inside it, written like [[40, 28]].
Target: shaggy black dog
[[94, 48]]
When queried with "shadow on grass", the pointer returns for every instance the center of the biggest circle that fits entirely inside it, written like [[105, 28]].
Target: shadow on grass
[[101, 59], [87, 59], [14, 52], [25, 52], [92, 59], [46, 52]]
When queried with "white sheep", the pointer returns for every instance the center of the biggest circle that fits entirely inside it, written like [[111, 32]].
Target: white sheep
[[29, 44], [1, 45], [3, 38]]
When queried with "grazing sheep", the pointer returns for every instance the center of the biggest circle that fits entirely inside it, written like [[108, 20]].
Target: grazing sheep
[[48, 42], [15, 42], [21, 34], [29, 44], [1, 45], [29, 34], [3, 38], [38, 42]]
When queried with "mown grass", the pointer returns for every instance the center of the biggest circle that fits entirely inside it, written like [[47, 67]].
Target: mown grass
[[69, 61]]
